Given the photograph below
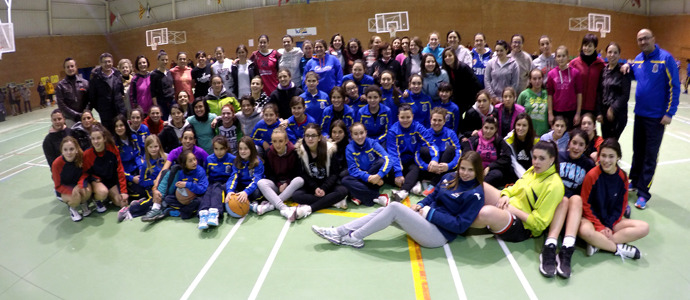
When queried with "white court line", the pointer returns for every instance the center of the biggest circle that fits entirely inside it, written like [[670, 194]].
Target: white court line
[[211, 260], [23, 125], [518, 271], [269, 262], [673, 162], [24, 163], [454, 273], [678, 137], [37, 165], [8, 176], [21, 150], [16, 136]]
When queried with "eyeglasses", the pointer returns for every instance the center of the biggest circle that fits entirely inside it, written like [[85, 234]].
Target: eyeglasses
[[311, 136]]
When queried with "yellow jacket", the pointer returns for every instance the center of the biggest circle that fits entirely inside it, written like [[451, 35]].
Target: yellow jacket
[[538, 195]]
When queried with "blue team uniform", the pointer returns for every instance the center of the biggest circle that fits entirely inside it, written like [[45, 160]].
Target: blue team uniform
[[452, 117], [296, 131], [377, 126], [315, 104], [421, 107], [404, 145]]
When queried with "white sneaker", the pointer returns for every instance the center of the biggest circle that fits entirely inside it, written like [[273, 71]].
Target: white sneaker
[[85, 210], [349, 240], [290, 213], [328, 233], [203, 220], [264, 207], [100, 206], [212, 217], [303, 211], [382, 200], [74, 213], [627, 251], [400, 195], [342, 204], [417, 189], [591, 250]]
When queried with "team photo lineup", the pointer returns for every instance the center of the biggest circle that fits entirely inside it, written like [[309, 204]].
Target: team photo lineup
[[492, 138]]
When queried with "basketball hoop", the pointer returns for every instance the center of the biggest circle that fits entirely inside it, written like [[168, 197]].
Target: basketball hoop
[[392, 28]]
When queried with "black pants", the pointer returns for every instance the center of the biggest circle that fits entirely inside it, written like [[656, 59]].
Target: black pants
[[363, 190], [445, 157], [614, 129], [647, 136], [303, 196]]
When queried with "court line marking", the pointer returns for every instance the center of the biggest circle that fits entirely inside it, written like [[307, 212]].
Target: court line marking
[[269, 262], [421, 285], [341, 213], [24, 163], [211, 260], [673, 162], [25, 133], [37, 165], [454, 273], [15, 173], [678, 137], [21, 150], [518, 271], [38, 121]]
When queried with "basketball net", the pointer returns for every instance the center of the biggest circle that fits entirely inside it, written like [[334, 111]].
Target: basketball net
[[603, 33], [154, 46], [391, 30]]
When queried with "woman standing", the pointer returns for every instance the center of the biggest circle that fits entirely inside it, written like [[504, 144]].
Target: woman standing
[[162, 90], [412, 65], [243, 72], [453, 42], [405, 50], [501, 71], [461, 77], [590, 66], [326, 66], [140, 90], [337, 48], [613, 104], [223, 68], [308, 50], [481, 55], [201, 74], [290, 58], [125, 68], [201, 122], [352, 54], [266, 61], [182, 76], [433, 75]]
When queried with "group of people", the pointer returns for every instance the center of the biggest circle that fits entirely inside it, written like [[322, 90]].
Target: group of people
[[497, 141]]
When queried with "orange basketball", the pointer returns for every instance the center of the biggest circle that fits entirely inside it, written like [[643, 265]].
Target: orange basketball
[[184, 195], [235, 208]]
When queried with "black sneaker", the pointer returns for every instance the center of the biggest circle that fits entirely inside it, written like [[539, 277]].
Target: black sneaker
[[547, 260], [563, 261], [626, 214]]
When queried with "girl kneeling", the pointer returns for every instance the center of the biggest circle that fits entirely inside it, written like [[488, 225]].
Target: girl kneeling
[[247, 170], [67, 169]]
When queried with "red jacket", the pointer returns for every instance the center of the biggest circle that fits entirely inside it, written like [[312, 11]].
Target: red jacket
[[65, 175], [590, 76], [105, 165], [153, 127]]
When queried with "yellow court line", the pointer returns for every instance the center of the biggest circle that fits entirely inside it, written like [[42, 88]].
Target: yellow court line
[[421, 285], [342, 213]]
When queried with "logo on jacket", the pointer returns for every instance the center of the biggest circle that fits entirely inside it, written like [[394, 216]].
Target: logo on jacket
[[322, 104], [413, 139], [382, 121], [655, 68], [371, 156]]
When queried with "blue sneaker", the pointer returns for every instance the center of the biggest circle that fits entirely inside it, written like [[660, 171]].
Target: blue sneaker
[[172, 212], [641, 203]]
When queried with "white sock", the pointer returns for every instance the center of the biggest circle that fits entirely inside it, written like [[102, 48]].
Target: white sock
[[551, 241], [568, 241], [156, 206]]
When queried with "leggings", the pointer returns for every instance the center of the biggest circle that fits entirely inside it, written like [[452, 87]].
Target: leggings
[[419, 229], [269, 189]]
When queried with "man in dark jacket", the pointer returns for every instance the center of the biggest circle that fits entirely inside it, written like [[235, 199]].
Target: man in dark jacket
[[71, 93], [106, 90]]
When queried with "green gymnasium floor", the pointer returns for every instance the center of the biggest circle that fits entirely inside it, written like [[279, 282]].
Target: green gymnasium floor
[[44, 255]]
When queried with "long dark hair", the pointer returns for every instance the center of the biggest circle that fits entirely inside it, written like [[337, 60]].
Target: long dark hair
[[253, 155], [445, 66], [128, 131], [551, 149], [529, 137], [182, 160], [346, 140], [396, 91], [321, 147], [437, 69], [476, 160]]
